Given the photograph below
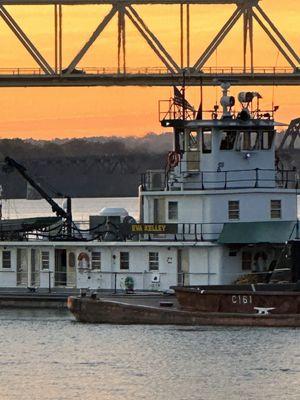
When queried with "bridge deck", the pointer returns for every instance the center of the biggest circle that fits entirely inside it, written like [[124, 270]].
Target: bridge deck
[[103, 78]]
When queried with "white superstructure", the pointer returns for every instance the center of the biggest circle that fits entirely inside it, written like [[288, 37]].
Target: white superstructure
[[220, 210]]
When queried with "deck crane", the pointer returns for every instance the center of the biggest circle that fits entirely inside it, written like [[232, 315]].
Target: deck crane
[[59, 211]]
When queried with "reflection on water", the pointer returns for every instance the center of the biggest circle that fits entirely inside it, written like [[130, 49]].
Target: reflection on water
[[47, 355]]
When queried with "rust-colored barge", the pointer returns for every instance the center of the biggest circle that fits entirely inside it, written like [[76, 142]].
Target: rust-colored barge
[[197, 306]]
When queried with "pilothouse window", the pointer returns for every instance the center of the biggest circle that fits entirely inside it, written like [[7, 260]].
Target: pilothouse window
[[248, 141], [206, 141], [267, 140], [193, 140], [255, 140], [228, 140]]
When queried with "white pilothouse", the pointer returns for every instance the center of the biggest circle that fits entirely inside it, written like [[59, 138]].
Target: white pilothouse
[[220, 210]]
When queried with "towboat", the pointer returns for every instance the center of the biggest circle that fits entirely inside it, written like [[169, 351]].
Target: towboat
[[230, 210], [223, 211]]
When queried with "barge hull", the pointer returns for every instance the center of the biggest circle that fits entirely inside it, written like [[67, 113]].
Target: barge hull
[[233, 301], [110, 312]]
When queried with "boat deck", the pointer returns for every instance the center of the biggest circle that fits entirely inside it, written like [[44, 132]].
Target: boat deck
[[57, 298]]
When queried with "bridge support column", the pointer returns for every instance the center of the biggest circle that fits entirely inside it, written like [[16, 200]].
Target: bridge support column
[[184, 34], [248, 33], [121, 39], [58, 37]]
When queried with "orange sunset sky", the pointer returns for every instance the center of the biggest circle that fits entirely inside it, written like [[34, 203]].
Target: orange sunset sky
[[47, 113]]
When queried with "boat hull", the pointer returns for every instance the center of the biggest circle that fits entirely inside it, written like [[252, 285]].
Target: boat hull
[[115, 312]]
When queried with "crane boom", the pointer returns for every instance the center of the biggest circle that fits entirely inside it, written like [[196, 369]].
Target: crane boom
[[59, 211]]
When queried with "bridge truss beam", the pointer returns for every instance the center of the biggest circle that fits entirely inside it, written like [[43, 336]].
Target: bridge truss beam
[[60, 75]]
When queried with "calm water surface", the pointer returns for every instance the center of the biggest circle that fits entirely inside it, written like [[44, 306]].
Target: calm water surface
[[47, 355]]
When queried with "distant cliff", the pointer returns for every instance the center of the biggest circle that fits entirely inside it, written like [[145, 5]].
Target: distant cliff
[[96, 167]]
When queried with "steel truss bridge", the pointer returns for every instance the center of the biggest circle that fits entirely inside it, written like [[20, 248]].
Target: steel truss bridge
[[196, 72]]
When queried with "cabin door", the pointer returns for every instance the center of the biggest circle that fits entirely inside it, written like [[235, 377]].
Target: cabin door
[[22, 267], [183, 268], [60, 273]]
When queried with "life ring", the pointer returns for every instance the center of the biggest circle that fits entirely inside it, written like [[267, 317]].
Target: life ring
[[173, 159], [83, 260]]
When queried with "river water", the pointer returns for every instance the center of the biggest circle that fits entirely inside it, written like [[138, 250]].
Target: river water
[[47, 355], [81, 207]]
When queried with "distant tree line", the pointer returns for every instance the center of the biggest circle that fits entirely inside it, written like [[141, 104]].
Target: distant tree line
[[84, 147], [87, 167]]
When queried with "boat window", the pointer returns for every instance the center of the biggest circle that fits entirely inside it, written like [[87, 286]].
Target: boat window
[[153, 261], [248, 141], [193, 140], [228, 140], [275, 207], [124, 260], [173, 210], [233, 210], [246, 260], [206, 141], [96, 260], [267, 140], [45, 259], [6, 259]]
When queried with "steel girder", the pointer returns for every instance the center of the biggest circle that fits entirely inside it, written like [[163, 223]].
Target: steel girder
[[58, 75]]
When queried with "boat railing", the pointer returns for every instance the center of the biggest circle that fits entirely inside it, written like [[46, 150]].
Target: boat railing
[[195, 232], [55, 279], [194, 179], [188, 232], [172, 232], [151, 280]]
